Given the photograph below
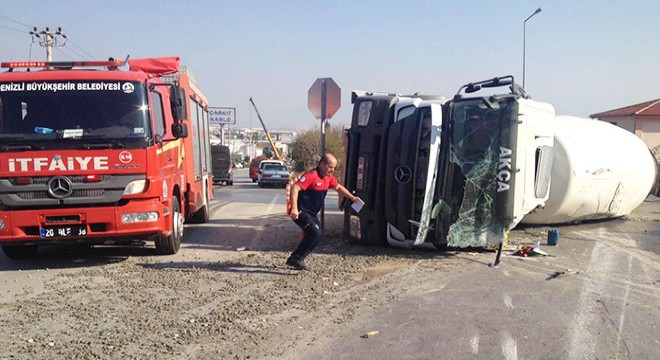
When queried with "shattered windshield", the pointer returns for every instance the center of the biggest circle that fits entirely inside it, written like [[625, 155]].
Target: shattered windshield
[[480, 137], [53, 110]]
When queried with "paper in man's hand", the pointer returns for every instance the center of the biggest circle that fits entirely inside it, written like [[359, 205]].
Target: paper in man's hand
[[357, 205]]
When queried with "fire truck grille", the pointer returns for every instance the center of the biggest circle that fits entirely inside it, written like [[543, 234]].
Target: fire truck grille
[[88, 193], [64, 190], [75, 179], [32, 195]]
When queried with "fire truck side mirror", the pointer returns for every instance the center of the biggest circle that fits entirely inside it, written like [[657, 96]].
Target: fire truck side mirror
[[180, 130], [178, 103]]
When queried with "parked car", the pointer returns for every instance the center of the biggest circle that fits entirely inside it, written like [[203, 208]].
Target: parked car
[[270, 162], [221, 166], [274, 174]]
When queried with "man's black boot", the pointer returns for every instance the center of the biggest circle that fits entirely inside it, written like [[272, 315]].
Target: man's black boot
[[296, 263]]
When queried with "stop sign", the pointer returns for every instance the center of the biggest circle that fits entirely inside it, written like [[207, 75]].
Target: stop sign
[[332, 99]]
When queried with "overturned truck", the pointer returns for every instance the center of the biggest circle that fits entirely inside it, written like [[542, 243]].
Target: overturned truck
[[464, 171]]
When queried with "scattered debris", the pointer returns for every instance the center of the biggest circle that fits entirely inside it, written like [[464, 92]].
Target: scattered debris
[[557, 274], [528, 251], [242, 248], [370, 334]]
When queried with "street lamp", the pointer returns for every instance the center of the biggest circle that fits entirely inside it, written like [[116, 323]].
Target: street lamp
[[524, 36]]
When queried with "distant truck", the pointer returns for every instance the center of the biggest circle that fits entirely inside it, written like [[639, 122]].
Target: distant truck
[[90, 153], [464, 171], [222, 165]]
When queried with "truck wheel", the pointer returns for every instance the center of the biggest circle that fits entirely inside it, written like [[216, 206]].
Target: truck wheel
[[169, 245], [20, 252]]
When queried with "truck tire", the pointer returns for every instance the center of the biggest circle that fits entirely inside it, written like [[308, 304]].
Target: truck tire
[[169, 245], [20, 252]]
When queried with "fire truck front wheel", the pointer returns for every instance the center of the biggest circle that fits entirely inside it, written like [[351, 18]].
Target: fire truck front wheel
[[20, 252], [169, 245]]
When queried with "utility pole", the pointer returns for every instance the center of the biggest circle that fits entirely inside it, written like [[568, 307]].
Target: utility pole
[[49, 39]]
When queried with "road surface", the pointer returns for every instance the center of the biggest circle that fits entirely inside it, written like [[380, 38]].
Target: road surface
[[228, 295]]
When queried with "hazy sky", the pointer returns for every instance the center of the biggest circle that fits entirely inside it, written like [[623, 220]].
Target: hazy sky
[[582, 56]]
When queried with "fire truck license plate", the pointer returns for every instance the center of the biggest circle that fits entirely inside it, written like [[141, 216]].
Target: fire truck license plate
[[63, 231]]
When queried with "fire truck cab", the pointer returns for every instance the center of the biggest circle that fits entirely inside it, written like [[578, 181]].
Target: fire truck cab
[[91, 153]]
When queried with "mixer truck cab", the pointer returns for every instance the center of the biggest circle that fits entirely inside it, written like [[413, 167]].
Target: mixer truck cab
[[460, 172], [495, 164]]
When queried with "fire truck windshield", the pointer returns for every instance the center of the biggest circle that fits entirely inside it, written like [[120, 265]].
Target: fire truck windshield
[[48, 111]]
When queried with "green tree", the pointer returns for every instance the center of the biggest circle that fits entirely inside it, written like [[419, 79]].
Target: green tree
[[306, 149]]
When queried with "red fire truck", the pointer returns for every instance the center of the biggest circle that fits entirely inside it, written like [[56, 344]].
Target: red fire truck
[[96, 154]]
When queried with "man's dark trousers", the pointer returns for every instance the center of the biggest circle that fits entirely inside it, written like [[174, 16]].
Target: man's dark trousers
[[312, 228]]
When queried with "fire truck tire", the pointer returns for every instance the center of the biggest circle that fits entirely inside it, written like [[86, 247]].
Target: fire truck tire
[[169, 245], [20, 252]]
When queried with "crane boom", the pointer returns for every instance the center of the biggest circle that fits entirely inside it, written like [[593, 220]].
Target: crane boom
[[270, 139]]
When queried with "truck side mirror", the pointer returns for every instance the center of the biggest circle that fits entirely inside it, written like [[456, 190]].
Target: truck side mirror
[[180, 130], [178, 103]]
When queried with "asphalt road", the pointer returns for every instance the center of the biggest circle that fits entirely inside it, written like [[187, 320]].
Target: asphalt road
[[595, 296]]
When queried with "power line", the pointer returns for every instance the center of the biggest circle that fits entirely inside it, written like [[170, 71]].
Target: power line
[[46, 38], [89, 56], [65, 53], [14, 20], [12, 29]]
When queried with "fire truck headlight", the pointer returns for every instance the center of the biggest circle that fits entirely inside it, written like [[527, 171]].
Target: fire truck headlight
[[130, 218], [135, 187]]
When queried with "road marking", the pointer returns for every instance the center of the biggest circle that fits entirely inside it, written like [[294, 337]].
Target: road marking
[[508, 301], [258, 234], [509, 347], [583, 344], [474, 343], [435, 290], [622, 318]]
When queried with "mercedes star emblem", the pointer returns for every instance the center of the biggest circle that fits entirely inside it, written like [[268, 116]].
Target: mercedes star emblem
[[60, 187]]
